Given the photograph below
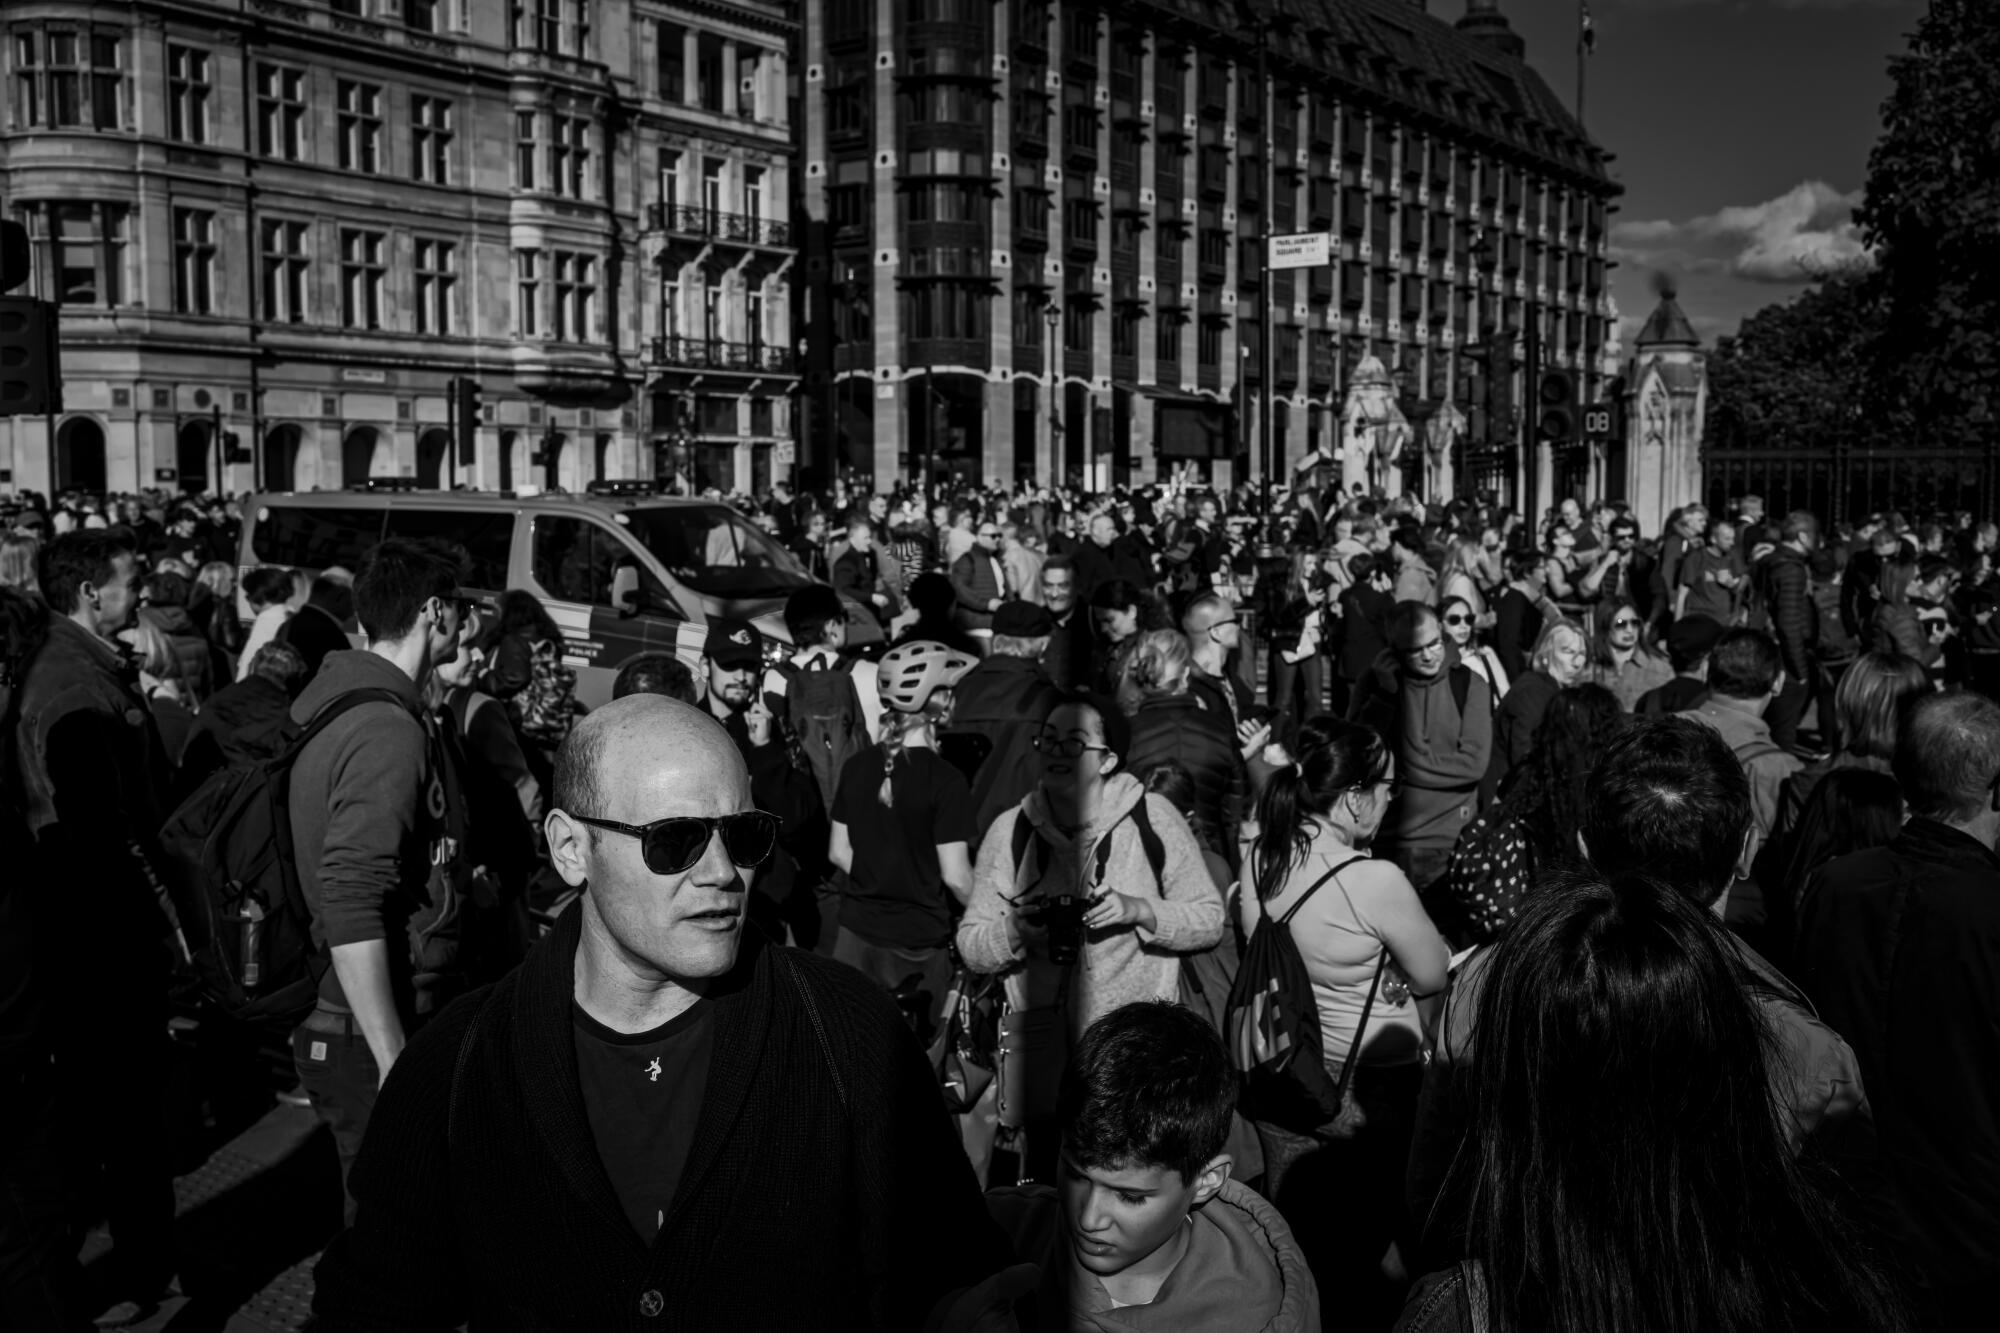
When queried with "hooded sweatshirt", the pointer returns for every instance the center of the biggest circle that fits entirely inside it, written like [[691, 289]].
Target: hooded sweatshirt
[[1242, 1272], [1116, 967], [374, 809], [1442, 753]]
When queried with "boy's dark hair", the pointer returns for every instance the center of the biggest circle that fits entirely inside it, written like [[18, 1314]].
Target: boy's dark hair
[[1668, 798], [655, 673], [76, 558], [167, 589], [397, 576], [1744, 664], [267, 584], [1147, 1085], [809, 611]]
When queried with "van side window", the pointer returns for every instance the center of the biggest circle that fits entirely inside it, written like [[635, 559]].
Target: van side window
[[308, 537], [487, 537]]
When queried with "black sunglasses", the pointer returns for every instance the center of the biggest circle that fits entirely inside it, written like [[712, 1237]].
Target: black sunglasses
[[1458, 620], [672, 845]]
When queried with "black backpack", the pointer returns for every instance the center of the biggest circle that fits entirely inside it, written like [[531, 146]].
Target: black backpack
[[232, 877], [823, 710], [1271, 1028]]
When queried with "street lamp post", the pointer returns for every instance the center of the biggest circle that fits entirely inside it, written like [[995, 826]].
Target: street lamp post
[[1052, 315]]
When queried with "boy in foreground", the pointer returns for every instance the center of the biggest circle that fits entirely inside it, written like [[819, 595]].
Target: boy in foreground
[[1146, 1230]]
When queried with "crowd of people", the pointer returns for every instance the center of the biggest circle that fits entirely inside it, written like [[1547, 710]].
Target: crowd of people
[[1368, 914]]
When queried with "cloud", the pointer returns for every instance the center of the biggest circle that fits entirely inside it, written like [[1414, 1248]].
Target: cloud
[[1792, 238]]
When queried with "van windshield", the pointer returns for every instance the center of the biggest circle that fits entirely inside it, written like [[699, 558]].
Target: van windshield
[[716, 551]]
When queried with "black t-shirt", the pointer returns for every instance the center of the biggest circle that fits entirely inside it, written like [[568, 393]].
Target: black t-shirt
[[642, 1092], [897, 893]]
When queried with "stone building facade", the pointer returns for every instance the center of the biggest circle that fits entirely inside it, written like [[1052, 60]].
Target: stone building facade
[[298, 222], [1032, 229]]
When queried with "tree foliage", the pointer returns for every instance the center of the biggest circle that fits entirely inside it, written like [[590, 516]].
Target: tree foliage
[[1932, 216], [1795, 375]]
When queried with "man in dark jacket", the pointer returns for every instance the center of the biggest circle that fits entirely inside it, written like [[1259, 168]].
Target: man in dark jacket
[[1794, 622], [92, 780], [1003, 702], [1072, 640], [320, 626], [1106, 555], [979, 580], [377, 829], [633, 1123], [249, 720], [1898, 946]]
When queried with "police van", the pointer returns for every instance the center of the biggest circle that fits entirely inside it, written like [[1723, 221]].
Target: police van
[[621, 569]]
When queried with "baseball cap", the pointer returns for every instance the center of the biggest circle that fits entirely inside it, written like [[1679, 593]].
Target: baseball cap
[[1022, 620], [733, 644]]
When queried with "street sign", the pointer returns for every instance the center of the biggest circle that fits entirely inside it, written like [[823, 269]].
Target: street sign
[[1597, 422], [1303, 249]]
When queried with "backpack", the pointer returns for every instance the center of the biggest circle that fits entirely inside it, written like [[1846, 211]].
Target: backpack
[[232, 878], [545, 708], [823, 709], [1491, 869], [1271, 1028]]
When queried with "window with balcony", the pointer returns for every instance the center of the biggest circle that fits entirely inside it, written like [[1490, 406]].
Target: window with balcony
[[364, 274], [1080, 221], [1080, 126], [528, 293], [188, 91], [847, 112], [711, 185], [437, 286], [281, 112], [430, 140], [553, 27], [576, 297], [360, 125], [79, 252], [847, 208], [283, 268], [1077, 319], [65, 79], [194, 261]]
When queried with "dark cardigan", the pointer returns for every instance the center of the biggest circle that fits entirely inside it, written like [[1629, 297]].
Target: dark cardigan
[[810, 1200]]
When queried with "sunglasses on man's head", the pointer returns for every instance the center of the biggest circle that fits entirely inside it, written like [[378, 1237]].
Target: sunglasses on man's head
[[672, 845]]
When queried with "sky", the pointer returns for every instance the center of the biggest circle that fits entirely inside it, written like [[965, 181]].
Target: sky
[[1742, 130]]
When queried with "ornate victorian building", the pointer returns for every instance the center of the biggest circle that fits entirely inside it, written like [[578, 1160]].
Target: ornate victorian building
[[1665, 412], [298, 222], [1032, 230]]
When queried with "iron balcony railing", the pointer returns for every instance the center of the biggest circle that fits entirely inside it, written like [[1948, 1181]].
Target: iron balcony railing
[[742, 228], [715, 354]]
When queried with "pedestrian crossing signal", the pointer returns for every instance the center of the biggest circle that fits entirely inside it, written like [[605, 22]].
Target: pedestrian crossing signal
[[30, 370]]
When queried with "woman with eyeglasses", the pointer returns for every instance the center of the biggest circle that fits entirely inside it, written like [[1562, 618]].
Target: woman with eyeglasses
[[1460, 621], [1377, 966], [1084, 896], [1621, 660], [1558, 661], [902, 832]]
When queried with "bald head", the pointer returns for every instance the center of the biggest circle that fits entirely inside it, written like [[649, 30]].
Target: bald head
[[609, 748], [1202, 613]]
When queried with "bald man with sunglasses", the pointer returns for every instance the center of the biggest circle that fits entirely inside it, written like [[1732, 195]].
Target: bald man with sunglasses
[[660, 1113]]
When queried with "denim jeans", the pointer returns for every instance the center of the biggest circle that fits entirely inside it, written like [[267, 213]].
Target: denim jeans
[[340, 1075]]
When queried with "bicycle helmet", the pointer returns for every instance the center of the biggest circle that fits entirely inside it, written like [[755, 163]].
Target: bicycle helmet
[[910, 673]]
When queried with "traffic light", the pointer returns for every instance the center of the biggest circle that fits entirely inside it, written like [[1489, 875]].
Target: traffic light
[[15, 256], [1555, 407], [30, 370], [465, 398]]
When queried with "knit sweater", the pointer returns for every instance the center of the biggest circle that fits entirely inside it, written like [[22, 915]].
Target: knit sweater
[[1116, 967], [825, 1187]]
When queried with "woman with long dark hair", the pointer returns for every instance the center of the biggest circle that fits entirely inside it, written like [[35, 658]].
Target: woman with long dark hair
[[1626, 1166], [1360, 931], [1533, 826]]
